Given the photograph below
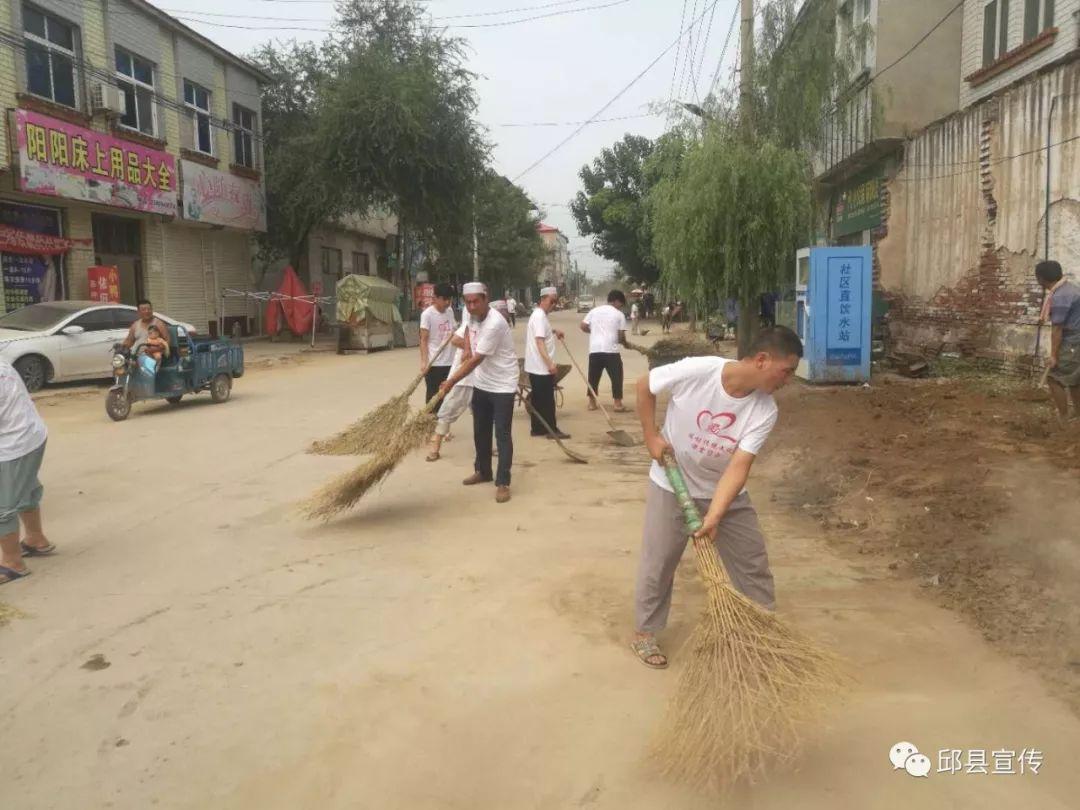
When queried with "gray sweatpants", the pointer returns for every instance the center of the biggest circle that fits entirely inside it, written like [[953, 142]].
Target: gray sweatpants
[[739, 542]]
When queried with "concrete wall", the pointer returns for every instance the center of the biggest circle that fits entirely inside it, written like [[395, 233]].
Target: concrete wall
[[923, 87], [966, 222], [348, 242], [1067, 40]]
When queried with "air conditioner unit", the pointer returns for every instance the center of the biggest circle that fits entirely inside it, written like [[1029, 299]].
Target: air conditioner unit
[[109, 99]]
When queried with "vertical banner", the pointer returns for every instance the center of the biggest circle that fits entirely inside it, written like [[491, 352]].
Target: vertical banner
[[104, 285], [28, 277]]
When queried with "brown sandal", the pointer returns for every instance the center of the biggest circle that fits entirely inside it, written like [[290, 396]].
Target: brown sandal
[[646, 648], [432, 456]]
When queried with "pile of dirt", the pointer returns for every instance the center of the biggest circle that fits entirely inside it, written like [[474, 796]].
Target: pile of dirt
[[969, 489], [676, 348]]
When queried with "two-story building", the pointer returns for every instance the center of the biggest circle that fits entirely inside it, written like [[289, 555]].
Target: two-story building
[[556, 261], [130, 141], [887, 98], [987, 192]]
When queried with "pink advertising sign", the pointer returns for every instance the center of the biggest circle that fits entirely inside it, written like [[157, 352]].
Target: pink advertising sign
[[64, 160], [222, 198]]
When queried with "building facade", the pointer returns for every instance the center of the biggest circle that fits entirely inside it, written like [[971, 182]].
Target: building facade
[[986, 193], [134, 141], [556, 263], [888, 98], [354, 244]]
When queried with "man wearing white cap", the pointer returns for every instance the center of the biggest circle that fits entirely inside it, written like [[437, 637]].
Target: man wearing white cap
[[495, 385], [540, 364]]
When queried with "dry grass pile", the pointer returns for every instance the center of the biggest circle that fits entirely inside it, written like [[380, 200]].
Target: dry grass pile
[[675, 348], [9, 612], [368, 435]]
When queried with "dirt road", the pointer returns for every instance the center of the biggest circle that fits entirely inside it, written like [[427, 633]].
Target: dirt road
[[433, 649]]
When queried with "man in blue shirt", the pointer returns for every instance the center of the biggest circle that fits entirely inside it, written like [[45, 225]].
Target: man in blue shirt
[[1062, 310]]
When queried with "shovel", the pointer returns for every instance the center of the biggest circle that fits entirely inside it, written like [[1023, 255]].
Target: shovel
[[580, 459], [620, 437]]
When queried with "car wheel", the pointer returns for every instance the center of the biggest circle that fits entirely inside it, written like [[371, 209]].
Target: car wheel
[[174, 400], [220, 388], [32, 370], [118, 405]]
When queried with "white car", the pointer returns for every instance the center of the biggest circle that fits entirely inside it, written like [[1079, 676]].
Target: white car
[[66, 340]]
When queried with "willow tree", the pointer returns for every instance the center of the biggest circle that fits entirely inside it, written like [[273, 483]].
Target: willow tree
[[727, 217], [725, 224]]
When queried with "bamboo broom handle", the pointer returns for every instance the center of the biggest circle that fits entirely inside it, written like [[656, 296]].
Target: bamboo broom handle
[[588, 385], [704, 553]]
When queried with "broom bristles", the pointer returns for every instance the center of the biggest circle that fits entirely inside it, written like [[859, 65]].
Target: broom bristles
[[344, 491], [367, 435], [750, 685]]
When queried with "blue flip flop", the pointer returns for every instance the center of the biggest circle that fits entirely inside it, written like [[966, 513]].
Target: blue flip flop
[[12, 574], [30, 551]]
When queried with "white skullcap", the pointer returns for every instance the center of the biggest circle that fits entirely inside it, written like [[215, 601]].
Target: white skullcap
[[474, 288], [500, 305], [548, 291]]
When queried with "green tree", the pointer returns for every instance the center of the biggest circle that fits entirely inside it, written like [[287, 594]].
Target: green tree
[[509, 248], [611, 207]]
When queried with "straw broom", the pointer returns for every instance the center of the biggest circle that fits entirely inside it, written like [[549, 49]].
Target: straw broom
[[368, 434], [750, 685], [344, 491]]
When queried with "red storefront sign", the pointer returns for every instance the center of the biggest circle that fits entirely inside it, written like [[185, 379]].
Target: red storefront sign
[[104, 285], [423, 295], [29, 243]]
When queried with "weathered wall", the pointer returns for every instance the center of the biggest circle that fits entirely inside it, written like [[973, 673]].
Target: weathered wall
[[967, 221]]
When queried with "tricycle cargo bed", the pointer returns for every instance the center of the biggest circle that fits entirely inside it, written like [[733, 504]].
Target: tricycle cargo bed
[[217, 356]]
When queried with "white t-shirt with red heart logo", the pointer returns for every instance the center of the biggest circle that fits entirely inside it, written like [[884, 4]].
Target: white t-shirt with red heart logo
[[705, 424]]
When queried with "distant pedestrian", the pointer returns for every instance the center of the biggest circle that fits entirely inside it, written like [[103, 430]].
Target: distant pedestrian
[[22, 449], [606, 327], [635, 318], [1061, 309], [436, 325], [540, 364], [665, 318], [511, 309]]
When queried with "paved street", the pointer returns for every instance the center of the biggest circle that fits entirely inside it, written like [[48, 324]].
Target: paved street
[[430, 649]]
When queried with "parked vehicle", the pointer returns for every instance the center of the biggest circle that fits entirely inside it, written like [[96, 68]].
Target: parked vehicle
[[585, 303], [62, 341], [193, 365]]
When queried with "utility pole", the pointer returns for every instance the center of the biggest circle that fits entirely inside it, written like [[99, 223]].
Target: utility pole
[[748, 309], [475, 246]]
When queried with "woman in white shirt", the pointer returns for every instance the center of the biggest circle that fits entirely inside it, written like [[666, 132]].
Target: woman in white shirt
[[22, 448]]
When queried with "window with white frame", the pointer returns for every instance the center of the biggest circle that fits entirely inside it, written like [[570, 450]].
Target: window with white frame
[[243, 136], [135, 78], [1038, 16], [197, 100], [50, 57], [995, 30]]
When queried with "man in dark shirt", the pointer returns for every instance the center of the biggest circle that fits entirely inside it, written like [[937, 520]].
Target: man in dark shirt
[[1062, 309]]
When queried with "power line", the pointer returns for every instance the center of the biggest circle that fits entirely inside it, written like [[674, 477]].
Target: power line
[[691, 54], [921, 40], [704, 48], [574, 123], [723, 52], [615, 98], [500, 24], [678, 53]]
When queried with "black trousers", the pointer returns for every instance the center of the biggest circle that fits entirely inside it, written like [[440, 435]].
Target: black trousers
[[493, 411], [599, 362], [542, 400], [436, 376]]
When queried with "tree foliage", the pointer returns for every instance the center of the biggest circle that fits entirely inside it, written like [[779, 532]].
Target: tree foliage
[[510, 249], [611, 207], [380, 114]]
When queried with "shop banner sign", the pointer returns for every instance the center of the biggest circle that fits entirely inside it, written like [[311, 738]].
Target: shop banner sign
[[858, 206], [423, 295], [29, 277], [63, 160], [104, 284], [222, 198]]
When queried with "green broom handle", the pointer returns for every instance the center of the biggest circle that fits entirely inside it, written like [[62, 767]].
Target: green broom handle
[[689, 509]]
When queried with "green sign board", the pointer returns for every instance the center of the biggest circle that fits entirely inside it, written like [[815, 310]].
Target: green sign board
[[857, 206]]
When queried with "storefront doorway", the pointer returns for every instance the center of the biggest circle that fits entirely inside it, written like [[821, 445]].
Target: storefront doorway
[[118, 243]]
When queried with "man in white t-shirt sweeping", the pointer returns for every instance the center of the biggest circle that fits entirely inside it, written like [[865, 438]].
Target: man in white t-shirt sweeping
[[606, 327], [436, 325], [540, 364], [719, 414], [495, 383]]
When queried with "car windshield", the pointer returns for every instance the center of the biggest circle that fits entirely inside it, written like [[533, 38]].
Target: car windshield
[[35, 318]]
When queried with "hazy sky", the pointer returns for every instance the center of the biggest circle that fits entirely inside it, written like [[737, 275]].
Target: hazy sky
[[555, 69]]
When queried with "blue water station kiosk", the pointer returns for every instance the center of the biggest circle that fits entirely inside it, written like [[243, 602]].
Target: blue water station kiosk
[[833, 308]]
